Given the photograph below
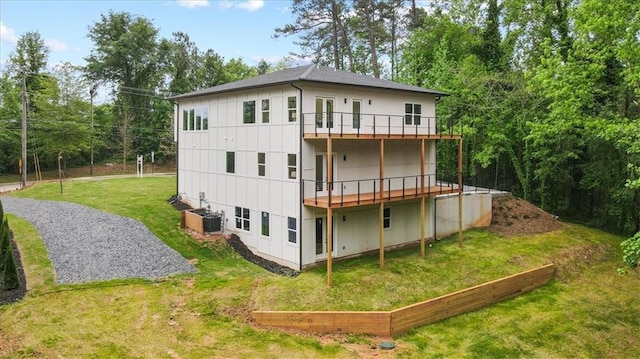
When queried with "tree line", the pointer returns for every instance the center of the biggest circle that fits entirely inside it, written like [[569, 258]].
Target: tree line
[[137, 69], [545, 92]]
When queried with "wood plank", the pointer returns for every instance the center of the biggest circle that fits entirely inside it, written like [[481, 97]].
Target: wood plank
[[403, 319]]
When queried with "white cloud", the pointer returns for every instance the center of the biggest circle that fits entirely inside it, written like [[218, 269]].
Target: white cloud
[[56, 45], [7, 34], [250, 5], [193, 3]]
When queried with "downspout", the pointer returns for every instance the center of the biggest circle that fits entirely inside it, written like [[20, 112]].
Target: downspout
[[177, 124], [301, 187]]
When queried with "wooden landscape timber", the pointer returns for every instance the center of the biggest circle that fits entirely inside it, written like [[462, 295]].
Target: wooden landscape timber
[[390, 323]]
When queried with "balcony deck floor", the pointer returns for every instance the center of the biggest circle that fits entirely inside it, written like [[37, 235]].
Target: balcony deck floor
[[354, 200]]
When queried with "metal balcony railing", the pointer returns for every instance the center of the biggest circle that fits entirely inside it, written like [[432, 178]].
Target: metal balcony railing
[[347, 193], [340, 124]]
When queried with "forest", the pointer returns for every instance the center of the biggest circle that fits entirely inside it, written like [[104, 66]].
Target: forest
[[545, 92]]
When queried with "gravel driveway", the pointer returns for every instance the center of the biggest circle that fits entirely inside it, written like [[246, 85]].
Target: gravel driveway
[[86, 244]]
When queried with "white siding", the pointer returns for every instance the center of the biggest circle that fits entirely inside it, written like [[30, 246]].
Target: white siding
[[202, 156]]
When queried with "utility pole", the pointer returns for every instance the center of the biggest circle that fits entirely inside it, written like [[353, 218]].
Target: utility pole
[[23, 178], [92, 93]]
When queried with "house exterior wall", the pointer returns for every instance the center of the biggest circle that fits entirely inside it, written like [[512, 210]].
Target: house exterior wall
[[356, 230], [203, 167], [476, 212]]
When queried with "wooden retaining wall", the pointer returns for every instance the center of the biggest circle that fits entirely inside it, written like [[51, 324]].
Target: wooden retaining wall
[[375, 323], [192, 221], [398, 321]]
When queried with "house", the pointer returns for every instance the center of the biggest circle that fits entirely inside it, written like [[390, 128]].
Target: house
[[309, 161]]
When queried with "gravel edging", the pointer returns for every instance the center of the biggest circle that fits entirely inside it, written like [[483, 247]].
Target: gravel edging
[[85, 244]]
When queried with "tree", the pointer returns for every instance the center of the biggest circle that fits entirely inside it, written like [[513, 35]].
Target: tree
[[490, 50], [126, 54], [5, 237], [324, 35], [30, 56], [10, 114], [10, 272]]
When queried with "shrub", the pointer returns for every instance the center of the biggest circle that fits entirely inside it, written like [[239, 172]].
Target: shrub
[[10, 278], [631, 250], [5, 246]]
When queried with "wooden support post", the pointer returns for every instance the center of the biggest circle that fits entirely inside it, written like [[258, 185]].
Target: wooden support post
[[381, 229], [422, 166], [460, 188], [329, 169], [329, 210], [329, 245], [422, 241], [381, 164]]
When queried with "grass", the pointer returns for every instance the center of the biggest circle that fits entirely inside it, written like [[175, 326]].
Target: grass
[[588, 311]]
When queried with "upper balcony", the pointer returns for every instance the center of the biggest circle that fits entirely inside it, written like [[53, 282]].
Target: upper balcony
[[368, 126]]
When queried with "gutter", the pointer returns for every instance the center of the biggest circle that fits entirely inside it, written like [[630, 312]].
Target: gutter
[[301, 187]]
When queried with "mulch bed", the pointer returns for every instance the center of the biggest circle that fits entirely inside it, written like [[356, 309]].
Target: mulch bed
[[236, 243], [273, 267], [10, 296], [513, 216]]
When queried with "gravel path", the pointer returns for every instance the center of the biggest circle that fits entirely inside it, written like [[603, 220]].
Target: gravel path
[[86, 244]]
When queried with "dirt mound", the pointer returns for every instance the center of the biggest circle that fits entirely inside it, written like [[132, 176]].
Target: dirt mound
[[513, 216]]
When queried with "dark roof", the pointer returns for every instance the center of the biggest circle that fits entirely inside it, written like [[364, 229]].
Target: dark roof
[[309, 73]]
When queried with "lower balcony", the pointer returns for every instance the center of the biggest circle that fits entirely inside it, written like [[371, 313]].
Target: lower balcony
[[352, 193]]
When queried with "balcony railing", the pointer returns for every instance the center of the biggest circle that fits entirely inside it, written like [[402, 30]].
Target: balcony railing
[[341, 124], [368, 191]]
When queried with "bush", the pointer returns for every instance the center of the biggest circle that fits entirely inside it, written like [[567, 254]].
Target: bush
[[10, 278], [631, 250], [5, 245]]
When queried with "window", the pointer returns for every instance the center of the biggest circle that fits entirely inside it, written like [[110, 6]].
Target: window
[[262, 164], [198, 119], [249, 112], [205, 118], [243, 218], [386, 218], [185, 120], [293, 108], [412, 114], [329, 110], [265, 111], [195, 119], [356, 114], [291, 165], [293, 231], [231, 162], [265, 224]]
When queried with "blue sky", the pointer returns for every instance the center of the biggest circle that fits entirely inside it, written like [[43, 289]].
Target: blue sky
[[233, 29]]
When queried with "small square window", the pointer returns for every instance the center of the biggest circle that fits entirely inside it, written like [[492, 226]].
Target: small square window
[[265, 224], [265, 111], [292, 108], [291, 165], [243, 218], [249, 112], [231, 162], [293, 231], [262, 164]]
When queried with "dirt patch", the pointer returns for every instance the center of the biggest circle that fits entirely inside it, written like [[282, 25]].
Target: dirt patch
[[573, 261], [10, 296], [513, 216]]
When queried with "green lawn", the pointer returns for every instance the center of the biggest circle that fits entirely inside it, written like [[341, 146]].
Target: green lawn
[[589, 311]]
